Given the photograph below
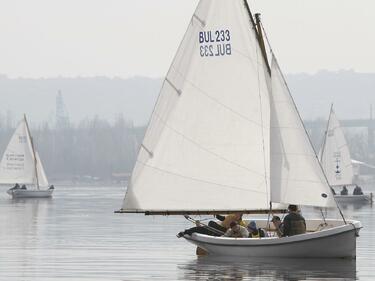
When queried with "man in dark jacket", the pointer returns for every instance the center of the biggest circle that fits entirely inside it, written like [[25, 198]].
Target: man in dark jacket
[[357, 190], [344, 191], [294, 223]]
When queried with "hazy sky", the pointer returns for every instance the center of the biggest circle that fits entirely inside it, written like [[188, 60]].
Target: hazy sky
[[47, 38]]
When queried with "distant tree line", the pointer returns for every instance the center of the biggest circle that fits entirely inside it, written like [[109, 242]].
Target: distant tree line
[[98, 149], [94, 148]]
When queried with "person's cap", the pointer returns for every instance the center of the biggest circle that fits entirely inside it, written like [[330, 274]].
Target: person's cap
[[275, 218], [252, 225], [293, 208]]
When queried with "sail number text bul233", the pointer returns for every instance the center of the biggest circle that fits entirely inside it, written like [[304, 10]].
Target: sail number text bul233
[[215, 43]]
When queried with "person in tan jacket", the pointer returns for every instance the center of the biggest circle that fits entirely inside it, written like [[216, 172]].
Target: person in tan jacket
[[236, 231]]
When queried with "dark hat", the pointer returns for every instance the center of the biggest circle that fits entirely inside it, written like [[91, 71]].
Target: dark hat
[[275, 218], [252, 225], [293, 208]]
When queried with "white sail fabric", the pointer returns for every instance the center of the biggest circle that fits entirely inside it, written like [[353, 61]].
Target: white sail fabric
[[17, 164], [42, 178], [296, 175], [207, 144], [335, 155]]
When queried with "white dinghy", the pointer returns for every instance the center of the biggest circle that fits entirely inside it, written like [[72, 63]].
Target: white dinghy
[[21, 165], [337, 163], [224, 137]]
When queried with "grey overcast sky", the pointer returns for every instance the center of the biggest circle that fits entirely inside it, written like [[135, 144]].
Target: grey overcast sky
[[124, 38]]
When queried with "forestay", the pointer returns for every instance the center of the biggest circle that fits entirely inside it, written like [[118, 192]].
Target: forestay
[[207, 144], [17, 164], [296, 175], [335, 154]]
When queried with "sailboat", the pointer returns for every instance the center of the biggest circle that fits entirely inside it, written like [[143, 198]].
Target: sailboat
[[225, 136], [21, 165], [337, 163]]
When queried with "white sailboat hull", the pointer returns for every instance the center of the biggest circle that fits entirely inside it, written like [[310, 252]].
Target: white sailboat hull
[[337, 241], [361, 199], [22, 193]]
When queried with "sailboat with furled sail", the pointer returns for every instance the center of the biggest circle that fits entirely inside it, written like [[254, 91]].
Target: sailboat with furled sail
[[225, 136], [21, 165], [337, 163]]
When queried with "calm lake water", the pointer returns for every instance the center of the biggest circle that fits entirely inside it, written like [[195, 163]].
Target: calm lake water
[[76, 236]]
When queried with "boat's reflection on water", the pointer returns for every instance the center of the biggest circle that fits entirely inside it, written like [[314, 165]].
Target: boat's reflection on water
[[212, 268], [355, 205]]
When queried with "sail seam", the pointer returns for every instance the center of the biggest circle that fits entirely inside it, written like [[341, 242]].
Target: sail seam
[[219, 103], [205, 149], [201, 180]]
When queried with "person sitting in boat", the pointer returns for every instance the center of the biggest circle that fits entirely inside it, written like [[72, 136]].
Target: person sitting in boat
[[16, 186], [254, 231], [236, 231], [23, 187], [344, 191], [52, 187], [294, 222], [202, 229], [226, 221], [279, 226], [357, 190]]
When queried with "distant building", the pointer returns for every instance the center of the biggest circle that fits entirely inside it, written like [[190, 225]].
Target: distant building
[[62, 116]]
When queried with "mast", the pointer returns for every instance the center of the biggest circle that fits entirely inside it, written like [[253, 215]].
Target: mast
[[33, 149], [259, 34], [325, 135]]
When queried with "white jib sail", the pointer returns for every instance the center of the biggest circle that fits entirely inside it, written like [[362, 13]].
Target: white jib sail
[[42, 178], [296, 175], [207, 144], [17, 164], [335, 154]]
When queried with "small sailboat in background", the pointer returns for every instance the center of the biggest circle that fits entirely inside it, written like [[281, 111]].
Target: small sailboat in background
[[225, 136], [21, 165], [337, 164]]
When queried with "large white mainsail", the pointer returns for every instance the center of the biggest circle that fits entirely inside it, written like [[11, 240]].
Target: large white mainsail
[[335, 155], [17, 164], [207, 144], [296, 175]]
